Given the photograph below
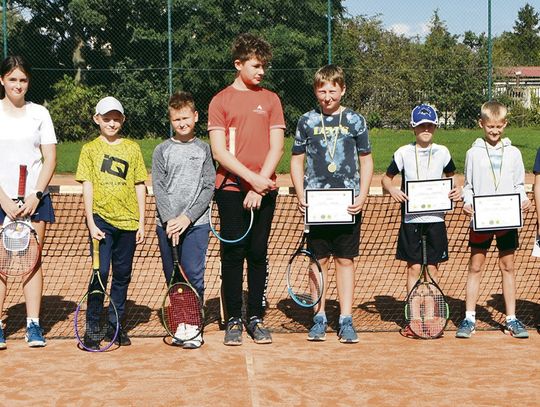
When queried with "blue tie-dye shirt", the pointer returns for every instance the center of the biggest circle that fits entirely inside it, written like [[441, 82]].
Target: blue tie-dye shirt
[[352, 140]]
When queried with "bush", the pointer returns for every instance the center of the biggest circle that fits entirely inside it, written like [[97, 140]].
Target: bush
[[72, 109]]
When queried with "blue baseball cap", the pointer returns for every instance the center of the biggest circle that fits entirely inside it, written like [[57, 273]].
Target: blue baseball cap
[[424, 114]]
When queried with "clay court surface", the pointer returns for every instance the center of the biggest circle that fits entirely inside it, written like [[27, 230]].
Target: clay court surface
[[383, 369]]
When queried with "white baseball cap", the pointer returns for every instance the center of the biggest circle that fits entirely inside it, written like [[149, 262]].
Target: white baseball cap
[[108, 104]]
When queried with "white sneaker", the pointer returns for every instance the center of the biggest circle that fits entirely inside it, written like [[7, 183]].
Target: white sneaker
[[180, 335], [196, 340]]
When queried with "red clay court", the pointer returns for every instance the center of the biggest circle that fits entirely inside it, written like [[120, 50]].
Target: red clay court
[[383, 369]]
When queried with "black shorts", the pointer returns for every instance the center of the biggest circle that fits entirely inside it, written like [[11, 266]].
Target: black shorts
[[340, 241], [409, 247], [507, 239]]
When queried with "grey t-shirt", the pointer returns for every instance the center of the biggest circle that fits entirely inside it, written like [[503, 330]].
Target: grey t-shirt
[[183, 177]]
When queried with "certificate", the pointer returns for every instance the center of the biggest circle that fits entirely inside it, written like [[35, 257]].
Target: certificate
[[329, 206], [492, 212], [427, 196]]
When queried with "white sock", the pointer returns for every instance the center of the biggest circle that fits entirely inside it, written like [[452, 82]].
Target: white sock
[[510, 318], [471, 316], [30, 320], [1, 324]]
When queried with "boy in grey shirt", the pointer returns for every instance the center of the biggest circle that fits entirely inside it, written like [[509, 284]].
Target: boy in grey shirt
[[183, 177]]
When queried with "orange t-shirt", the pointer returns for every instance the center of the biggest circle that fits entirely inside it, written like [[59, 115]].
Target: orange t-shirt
[[246, 117]]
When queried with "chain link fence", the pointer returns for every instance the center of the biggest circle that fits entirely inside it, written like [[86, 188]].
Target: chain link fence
[[140, 50]]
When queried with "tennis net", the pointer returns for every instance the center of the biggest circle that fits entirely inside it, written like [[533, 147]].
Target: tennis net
[[379, 287]]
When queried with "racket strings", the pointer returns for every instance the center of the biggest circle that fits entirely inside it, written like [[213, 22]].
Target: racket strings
[[183, 311], [427, 311], [20, 250], [304, 280], [96, 321]]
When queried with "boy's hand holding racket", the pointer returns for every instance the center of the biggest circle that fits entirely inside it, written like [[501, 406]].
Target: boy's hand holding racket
[[252, 200], [177, 225]]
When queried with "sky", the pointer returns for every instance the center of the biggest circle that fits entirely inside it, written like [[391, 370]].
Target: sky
[[411, 17]]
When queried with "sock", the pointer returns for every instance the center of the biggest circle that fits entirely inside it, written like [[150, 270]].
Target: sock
[[342, 317], [30, 320], [323, 315], [1, 324], [471, 316], [510, 318]]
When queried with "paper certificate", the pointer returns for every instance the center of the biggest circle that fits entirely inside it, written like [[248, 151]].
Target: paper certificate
[[492, 212], [329, 206], [428, 196]]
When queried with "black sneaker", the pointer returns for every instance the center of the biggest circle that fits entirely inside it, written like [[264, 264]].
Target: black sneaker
[[90, 343], [233, 332], [122, 339], [256, 329]]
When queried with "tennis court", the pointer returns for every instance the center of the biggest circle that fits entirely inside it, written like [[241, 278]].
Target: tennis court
[[383, 369]]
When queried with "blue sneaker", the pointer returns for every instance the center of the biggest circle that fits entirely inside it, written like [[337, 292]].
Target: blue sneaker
[[318, 331], [347, 333], [34, 336], [466, 329], [2, 339], [516, 328]]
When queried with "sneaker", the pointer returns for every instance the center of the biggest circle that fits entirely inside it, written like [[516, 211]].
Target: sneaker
[[34, 336], [466, 329], [347, 333], [179, 335], [89, 343], [122, 338], [516, 328], [2, 339], [256, 329], [196, 341], [233, 332], [318, 330]]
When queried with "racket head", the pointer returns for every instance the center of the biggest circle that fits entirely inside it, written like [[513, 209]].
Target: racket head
[[230, 236], [20, 251], [305, 282], [426, 310], [182, 312], [96, 331]]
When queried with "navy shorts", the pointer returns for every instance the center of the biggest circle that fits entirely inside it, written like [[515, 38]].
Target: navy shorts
[[44, 211], [507, 239], [340, 241], [409, 247]]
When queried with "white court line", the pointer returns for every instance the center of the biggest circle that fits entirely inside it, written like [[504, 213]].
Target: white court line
[[251, 380]]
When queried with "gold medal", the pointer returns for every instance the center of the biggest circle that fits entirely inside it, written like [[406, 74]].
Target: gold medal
[[332, 167]]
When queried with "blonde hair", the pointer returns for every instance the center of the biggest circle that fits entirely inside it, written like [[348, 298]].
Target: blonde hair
[[493, 110], [329, 74]]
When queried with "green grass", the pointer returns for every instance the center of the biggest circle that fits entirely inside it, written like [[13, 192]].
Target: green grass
[[384, 143]]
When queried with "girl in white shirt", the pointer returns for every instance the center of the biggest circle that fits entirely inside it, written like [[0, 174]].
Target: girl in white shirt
[[26, 137]]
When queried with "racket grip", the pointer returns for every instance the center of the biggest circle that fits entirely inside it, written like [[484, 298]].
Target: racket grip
[[22, 181], [95, 254]]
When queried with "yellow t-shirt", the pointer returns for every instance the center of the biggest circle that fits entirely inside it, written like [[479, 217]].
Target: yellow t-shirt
[[113, 170]]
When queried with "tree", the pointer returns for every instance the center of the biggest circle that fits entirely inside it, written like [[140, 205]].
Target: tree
[[525, 39]]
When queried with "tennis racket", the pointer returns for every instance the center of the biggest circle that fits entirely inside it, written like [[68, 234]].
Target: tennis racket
[[96, 318], [182, 310], [426, 309], [20, 251], [241, 226], [304, 276]]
